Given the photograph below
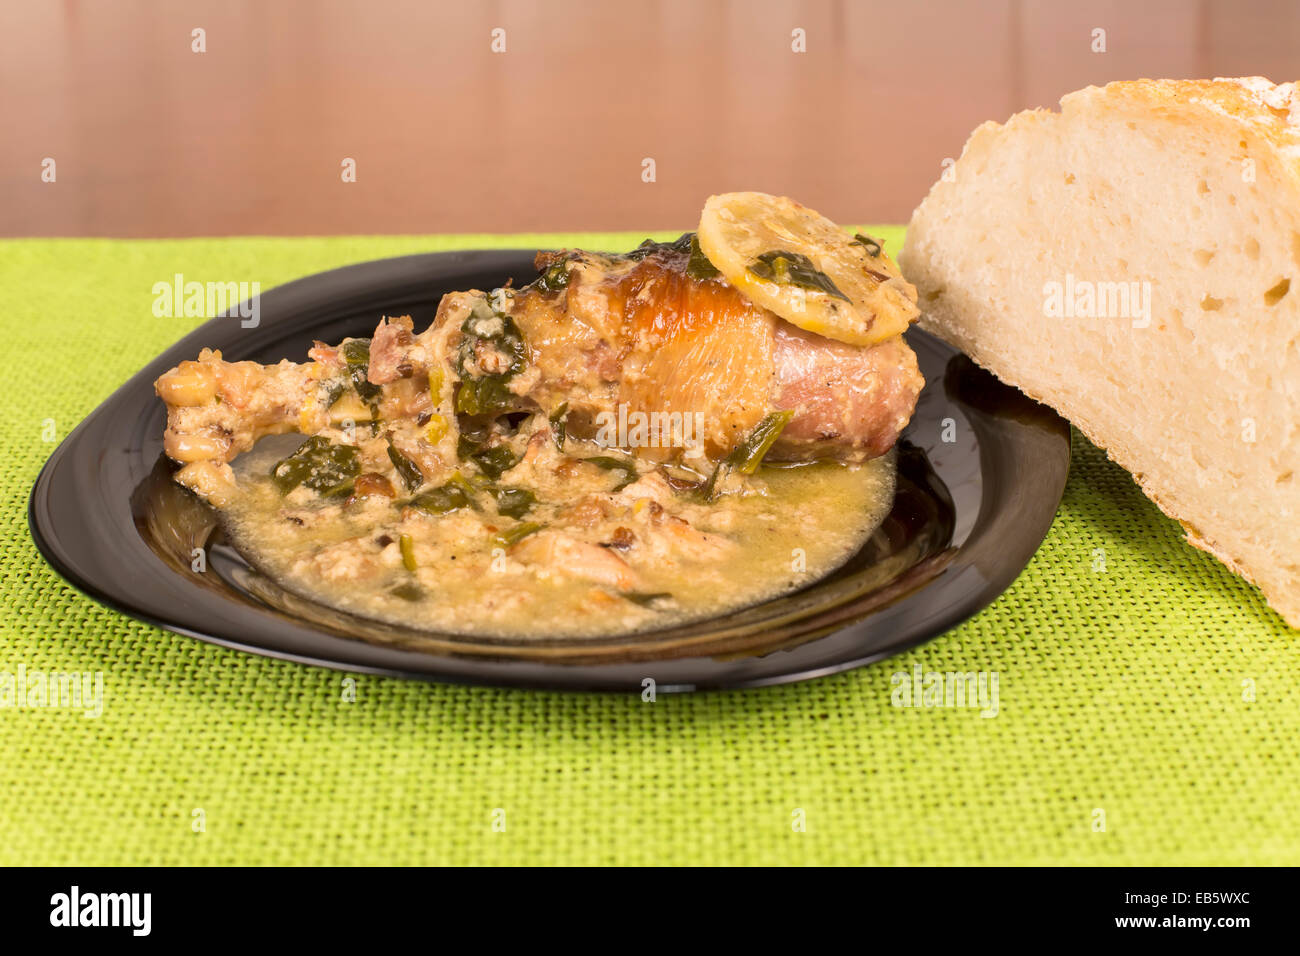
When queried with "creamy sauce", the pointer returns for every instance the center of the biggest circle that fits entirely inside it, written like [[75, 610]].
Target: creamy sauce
[[597, 561]]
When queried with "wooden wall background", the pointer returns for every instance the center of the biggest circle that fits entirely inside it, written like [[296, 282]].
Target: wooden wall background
[[153, 139]]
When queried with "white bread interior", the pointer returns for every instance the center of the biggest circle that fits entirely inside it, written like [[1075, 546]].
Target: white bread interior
[[1194, 188]]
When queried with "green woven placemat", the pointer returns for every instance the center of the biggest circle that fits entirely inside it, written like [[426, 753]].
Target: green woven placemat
[[1141, 687]]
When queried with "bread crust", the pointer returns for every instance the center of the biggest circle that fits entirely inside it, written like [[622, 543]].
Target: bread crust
[[1264, 119], [1271, 111]]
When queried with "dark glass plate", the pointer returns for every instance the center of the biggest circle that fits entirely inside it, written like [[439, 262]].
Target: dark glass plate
[[981, 471]]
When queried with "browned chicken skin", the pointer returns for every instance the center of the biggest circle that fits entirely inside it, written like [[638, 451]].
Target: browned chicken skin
[[647, 335]]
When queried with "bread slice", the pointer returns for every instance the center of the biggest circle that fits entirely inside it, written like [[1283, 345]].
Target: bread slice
[[1134, 262]]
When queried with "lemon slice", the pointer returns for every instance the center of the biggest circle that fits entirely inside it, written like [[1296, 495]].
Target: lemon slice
[[787, 258]]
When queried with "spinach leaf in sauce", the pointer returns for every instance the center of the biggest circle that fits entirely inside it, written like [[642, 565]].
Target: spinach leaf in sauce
[[495, 461], [512, 536], [614, 464], [748, 455], [449, 497], [319, 465], [408, 591], [332, 392], [514, 502], [356, 353], [474, 433], [407, 470], [559, 425], [486, 329], [554, 278]]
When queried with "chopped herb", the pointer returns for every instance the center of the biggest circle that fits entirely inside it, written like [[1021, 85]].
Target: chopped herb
[[444, 498], [407, 591], [554, 278], [473, 482], [318, 465], [559, 425], [514, 502], [356, 352], [407, 544], [710, 490], [512, 536], [873, 248], [699, 266], [746, 457], [650, 247], [488, 394], [640, 252], [333, 391], [473, 434], [482, 396], [794, 268], [409, 471], [344, 489], [496, 461], [614, 464]]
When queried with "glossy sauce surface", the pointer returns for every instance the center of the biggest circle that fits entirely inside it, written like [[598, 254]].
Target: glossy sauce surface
[[589, 558]]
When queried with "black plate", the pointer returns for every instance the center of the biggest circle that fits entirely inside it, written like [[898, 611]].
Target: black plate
[[981, 471]]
